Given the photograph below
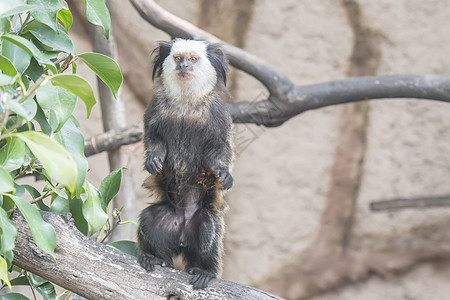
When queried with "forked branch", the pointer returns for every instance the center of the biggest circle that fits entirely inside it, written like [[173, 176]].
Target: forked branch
[[287, 100]]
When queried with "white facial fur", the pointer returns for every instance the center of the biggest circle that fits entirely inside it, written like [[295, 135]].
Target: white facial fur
[[204, 76]]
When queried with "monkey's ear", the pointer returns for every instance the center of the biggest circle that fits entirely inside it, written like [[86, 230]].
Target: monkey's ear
[[219, 61], [161, 53]]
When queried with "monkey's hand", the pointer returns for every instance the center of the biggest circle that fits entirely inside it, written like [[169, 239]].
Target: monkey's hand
[[201, 278], [154, 161], [148, 262], [225, 178]]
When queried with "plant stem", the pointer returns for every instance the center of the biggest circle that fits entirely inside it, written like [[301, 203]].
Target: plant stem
[[24, 24]]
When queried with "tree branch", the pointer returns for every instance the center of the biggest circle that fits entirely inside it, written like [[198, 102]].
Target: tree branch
[[273, 111], [285, 100], [96, 271], [397, 204], [112, 139]]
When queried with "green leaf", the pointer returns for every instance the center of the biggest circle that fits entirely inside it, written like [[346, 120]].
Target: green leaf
[[43, 286], [12, 154], [50, 187], [42, 120], [74, 67], [13, 7], [6, 181], [66, 18], [7, 203], [78, 86], [128, 247], [31, 190], [97, 13], [34, 70], [21, 280], [46, 12], [58, 99], [76, 205], [30, 48], [8, 232], [92, 209], [54, 157], [43, 233], [110, 187], [72, 139], [58, 39], [20, 190], [30, 107], [4, 271], [18, 56], [36, 280], [14, 296], [105, 68], [5, 25], [26, 109], [7, 67], [5, 80], [47, 291], [60, 205]]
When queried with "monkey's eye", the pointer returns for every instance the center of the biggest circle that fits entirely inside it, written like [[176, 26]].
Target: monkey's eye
[[193, 58], [177, 58]]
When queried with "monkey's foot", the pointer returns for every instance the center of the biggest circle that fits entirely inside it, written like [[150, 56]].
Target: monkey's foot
[[201, 278], [148, 262]]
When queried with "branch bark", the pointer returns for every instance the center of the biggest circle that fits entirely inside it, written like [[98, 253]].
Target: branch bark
[[113, 139], [96, 271]]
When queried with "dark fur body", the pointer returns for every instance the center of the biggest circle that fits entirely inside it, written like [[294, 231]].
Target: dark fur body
[[188, 153]]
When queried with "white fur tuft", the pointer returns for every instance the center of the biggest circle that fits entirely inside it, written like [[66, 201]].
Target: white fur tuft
[[204, 77]]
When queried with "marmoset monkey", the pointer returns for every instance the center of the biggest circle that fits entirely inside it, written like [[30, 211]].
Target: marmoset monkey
[[187, 137]]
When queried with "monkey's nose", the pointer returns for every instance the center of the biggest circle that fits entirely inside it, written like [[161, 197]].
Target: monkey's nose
[[185, 67]]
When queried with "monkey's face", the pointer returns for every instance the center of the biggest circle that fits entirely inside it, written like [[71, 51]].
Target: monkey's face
[[187, 69], [185, 65]]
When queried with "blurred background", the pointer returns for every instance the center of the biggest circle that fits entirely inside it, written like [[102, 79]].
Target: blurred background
[[300, 223]]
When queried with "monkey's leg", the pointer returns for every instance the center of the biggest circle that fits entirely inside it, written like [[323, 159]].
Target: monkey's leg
[[158, 236], [203, 252]]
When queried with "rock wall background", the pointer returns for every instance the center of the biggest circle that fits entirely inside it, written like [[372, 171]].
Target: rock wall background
[[320, 170]]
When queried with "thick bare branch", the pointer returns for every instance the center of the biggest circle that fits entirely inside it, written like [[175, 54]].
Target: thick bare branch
[[113, 139], [275, 111], [96, 271]]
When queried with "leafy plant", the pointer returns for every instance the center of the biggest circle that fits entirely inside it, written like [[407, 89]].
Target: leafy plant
[[40, 135]]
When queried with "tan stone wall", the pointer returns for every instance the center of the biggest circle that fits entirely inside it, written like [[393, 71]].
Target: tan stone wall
[[283, 175]]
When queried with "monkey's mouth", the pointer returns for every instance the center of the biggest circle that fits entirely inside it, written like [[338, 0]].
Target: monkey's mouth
[[184, 75]]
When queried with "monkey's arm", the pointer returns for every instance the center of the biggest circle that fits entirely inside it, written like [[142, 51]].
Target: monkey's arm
[[218, 160], [155, 147], [219, 152]]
